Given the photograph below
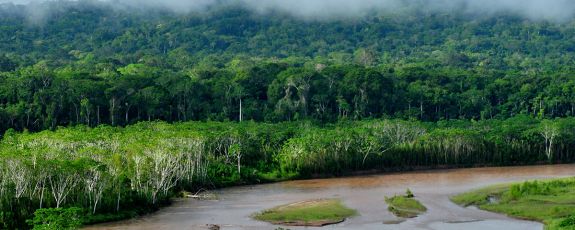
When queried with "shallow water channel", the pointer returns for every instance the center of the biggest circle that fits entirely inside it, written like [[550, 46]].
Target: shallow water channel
[[366, 194]]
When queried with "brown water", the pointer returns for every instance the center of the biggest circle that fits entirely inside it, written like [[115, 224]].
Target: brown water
[[366, 194]]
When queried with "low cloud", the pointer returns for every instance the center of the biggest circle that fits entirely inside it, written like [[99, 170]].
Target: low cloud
[[554, 10]]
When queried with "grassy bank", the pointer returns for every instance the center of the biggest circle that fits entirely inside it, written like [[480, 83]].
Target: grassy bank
[[405, 206], [307, 213], [550, 202]]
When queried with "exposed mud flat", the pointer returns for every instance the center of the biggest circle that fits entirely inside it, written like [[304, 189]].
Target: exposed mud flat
[[366, 194]]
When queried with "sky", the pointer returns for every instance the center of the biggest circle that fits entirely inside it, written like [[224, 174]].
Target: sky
[[554, 10]]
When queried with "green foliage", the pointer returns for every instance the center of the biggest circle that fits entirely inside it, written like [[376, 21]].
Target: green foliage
[[471, 198], [196, 67], [551, 202], [114, 172], [57, 218], [409, 194], [568, 222], [307, 213], [6, 220], [381, 93], [515, 192], [405, 206], [518, 191]]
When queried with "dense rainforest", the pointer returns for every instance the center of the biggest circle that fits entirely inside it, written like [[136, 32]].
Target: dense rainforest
[[89, 63], [107, 112]]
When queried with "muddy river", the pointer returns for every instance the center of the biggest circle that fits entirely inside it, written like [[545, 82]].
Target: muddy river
[[366, 194]]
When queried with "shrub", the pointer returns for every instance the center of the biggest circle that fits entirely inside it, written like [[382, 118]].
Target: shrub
[[6, 220], [57, 218], [515, 192], [568, 222], [409, 194]]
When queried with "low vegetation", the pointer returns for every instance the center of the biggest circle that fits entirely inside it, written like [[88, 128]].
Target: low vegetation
[[112, 173], [405, 206], [307, 213], [550, 202], [57, 219]]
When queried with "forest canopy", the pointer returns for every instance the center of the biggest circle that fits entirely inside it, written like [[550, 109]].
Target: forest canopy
[[90, 63]]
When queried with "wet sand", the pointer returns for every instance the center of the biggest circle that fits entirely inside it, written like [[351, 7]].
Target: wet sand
[[366, 194]]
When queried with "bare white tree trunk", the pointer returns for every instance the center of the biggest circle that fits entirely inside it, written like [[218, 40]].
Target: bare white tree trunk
[[61, 184], [20, 176], [42, 193], [163, 173], [3, 180], [239, 156], [112, 110], [241, 110], [549, 133], [40, 184], [95, 183]]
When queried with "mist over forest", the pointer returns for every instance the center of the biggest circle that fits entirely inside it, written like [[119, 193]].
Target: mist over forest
[[554, 10], [424, 61]]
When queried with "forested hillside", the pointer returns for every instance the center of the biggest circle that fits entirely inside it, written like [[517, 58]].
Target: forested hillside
[[92, 63], [109, 110]]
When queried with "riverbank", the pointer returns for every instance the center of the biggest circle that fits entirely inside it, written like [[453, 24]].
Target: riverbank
[[303, 182], [551, 202], [108, 170]]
